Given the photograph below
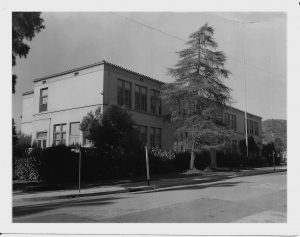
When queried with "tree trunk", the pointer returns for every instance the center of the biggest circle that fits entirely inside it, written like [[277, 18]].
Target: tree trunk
[[213, 159], [192, 161]]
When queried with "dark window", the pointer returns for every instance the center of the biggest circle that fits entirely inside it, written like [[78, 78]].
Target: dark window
[[43, 99], [60, 134], [124, 93], [251, 127], [256, 128], [155, 137], [248, 126], [142, 133], [41, 138], [74, 133], [227, 119], [155, 102], [141, 98], [233, 122]]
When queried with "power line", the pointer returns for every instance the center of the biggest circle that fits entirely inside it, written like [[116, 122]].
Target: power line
[[185, 41], [150, 27]]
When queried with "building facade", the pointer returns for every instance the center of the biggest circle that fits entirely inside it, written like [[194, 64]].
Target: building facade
[[54, 109]]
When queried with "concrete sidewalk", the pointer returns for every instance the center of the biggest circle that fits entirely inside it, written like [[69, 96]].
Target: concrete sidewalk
[[138, 186]]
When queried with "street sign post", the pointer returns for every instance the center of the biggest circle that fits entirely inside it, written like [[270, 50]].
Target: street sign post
[[79, 169], [147, 165]]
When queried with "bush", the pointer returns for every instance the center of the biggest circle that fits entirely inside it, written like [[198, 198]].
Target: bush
[[28, 167]]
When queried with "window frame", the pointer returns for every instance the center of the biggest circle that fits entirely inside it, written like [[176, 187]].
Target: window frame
[[233, 122], [154, 142], [43, 107], [139, 105], [61, 132], [156, 97], [43, 139], [74, 136], [122, 101], [256, 132]]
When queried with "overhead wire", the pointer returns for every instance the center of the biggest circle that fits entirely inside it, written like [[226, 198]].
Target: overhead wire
[[185, 41]]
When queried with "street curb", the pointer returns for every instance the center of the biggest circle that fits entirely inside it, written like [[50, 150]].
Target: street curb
[[146, 188]]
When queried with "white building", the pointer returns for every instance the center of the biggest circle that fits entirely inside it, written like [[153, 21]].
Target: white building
[[53, 110]]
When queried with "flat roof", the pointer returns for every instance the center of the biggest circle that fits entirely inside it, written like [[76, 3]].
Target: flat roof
[[243, 111], [94, 65]]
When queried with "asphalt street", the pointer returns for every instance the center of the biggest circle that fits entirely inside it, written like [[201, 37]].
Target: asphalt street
[[259, 198]]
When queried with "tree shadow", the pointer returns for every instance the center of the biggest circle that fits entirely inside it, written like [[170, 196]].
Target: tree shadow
[[198, 186], [20, 211]]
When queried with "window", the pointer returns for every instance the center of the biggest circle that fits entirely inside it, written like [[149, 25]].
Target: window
[[256, 128], [155, 137], [74, 133], [41, 138], [251, 127], [155, 102], [141, 98], [227, 119], [142, 133], [233, 122], [59, 134], [124, 93], [248, 126], [43, 99]]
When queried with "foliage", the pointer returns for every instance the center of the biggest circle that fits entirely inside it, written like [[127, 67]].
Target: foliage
[[24, 27], [14, 133], [198, 95], [273, 129], [22, 144], [253, 148], [28, 167], [111, 131]]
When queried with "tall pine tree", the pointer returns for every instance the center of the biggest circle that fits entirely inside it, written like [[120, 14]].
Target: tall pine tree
[[198, 95]]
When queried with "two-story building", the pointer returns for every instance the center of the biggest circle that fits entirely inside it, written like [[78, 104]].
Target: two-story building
[[54, 109]]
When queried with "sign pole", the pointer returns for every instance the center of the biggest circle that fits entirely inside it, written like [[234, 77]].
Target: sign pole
[[79, 169], [147, 165]]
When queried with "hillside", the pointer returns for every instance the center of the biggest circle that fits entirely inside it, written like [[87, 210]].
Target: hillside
[[276, 126]]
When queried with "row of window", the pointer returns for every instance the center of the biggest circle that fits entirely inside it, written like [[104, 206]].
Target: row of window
[[230, 120], [59, 135], [141, 92], [252, 127], [155, 135]]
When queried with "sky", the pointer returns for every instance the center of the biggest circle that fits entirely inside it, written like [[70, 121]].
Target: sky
[[147, 42]]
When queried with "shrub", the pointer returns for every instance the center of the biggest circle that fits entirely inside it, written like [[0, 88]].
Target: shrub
[[29, 166]]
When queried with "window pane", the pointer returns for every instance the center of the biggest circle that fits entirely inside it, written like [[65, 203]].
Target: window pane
[[137, 97], [44, 100], [127, 86], [74, 129], [63, 127], [44, 92], [64, 136], [56, 128], [57, 136]]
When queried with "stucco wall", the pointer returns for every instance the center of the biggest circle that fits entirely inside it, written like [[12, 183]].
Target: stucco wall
[[70, 97], [27, 114]]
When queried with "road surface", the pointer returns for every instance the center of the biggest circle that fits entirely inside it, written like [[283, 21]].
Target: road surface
[[259, 198]]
